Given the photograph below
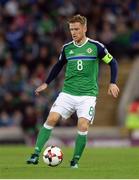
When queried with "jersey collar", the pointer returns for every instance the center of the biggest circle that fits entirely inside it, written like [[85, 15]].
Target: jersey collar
[[81, 44]]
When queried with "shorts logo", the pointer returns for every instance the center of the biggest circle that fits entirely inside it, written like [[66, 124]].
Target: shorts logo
[[91, 111]]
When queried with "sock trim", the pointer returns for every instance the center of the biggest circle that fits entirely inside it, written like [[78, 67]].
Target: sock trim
[[82, 133], [47, 126]]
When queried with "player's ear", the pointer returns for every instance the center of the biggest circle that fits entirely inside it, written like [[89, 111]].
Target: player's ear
[[85, 28]]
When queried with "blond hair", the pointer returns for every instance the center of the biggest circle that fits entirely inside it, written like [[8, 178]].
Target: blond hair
[[78, 18]]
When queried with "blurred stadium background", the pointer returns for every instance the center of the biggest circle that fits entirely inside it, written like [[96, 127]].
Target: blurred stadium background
[[32, 33]]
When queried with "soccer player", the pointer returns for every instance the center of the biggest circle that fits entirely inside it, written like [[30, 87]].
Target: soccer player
[[81, 57]]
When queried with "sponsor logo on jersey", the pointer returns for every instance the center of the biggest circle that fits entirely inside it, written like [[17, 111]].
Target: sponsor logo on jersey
[[71, 52], [89, 50]]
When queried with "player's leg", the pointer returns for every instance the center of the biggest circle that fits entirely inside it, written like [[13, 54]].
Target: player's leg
[[81, 139], [62, 107], [85, 109], [45, 131], [43, 136]]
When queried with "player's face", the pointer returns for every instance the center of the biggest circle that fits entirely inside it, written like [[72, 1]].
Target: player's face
[[78, 31]]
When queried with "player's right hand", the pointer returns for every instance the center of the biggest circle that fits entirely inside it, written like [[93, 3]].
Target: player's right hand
[[41, 88]]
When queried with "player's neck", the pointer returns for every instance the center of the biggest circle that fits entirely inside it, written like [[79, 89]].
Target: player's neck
[[82, 41]]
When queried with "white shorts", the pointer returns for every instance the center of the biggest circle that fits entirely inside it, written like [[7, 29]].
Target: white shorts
[[67, 104]]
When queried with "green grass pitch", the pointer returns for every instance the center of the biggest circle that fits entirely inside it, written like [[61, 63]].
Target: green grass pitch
[[98, 163]]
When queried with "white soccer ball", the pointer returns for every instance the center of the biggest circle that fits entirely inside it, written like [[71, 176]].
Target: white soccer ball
[[52, 156]]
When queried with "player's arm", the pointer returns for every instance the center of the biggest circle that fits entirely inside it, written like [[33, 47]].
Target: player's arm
[[108, 59], [53, 74], [113, 88]]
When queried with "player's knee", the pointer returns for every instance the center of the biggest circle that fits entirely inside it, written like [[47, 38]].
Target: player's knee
[[83, 127], [52, 119]]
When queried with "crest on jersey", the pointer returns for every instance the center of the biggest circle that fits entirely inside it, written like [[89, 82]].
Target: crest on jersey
[[89, 50], [71, 52]]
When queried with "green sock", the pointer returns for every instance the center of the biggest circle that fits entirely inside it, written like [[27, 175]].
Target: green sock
[[43, 136], [79, 146]]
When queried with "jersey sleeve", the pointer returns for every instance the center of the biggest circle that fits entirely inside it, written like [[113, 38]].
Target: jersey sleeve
[[62, 56], [104, 54], [57, 67]]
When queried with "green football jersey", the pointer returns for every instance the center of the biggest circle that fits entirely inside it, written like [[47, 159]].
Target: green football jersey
[[81, 77]]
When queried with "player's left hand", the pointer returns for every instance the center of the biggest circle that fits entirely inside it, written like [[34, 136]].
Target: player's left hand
[[113, 90]]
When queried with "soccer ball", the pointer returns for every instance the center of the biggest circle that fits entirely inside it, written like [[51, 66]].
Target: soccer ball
[[52, 156]]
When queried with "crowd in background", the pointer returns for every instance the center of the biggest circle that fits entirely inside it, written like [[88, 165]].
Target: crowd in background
[[32, 33]]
